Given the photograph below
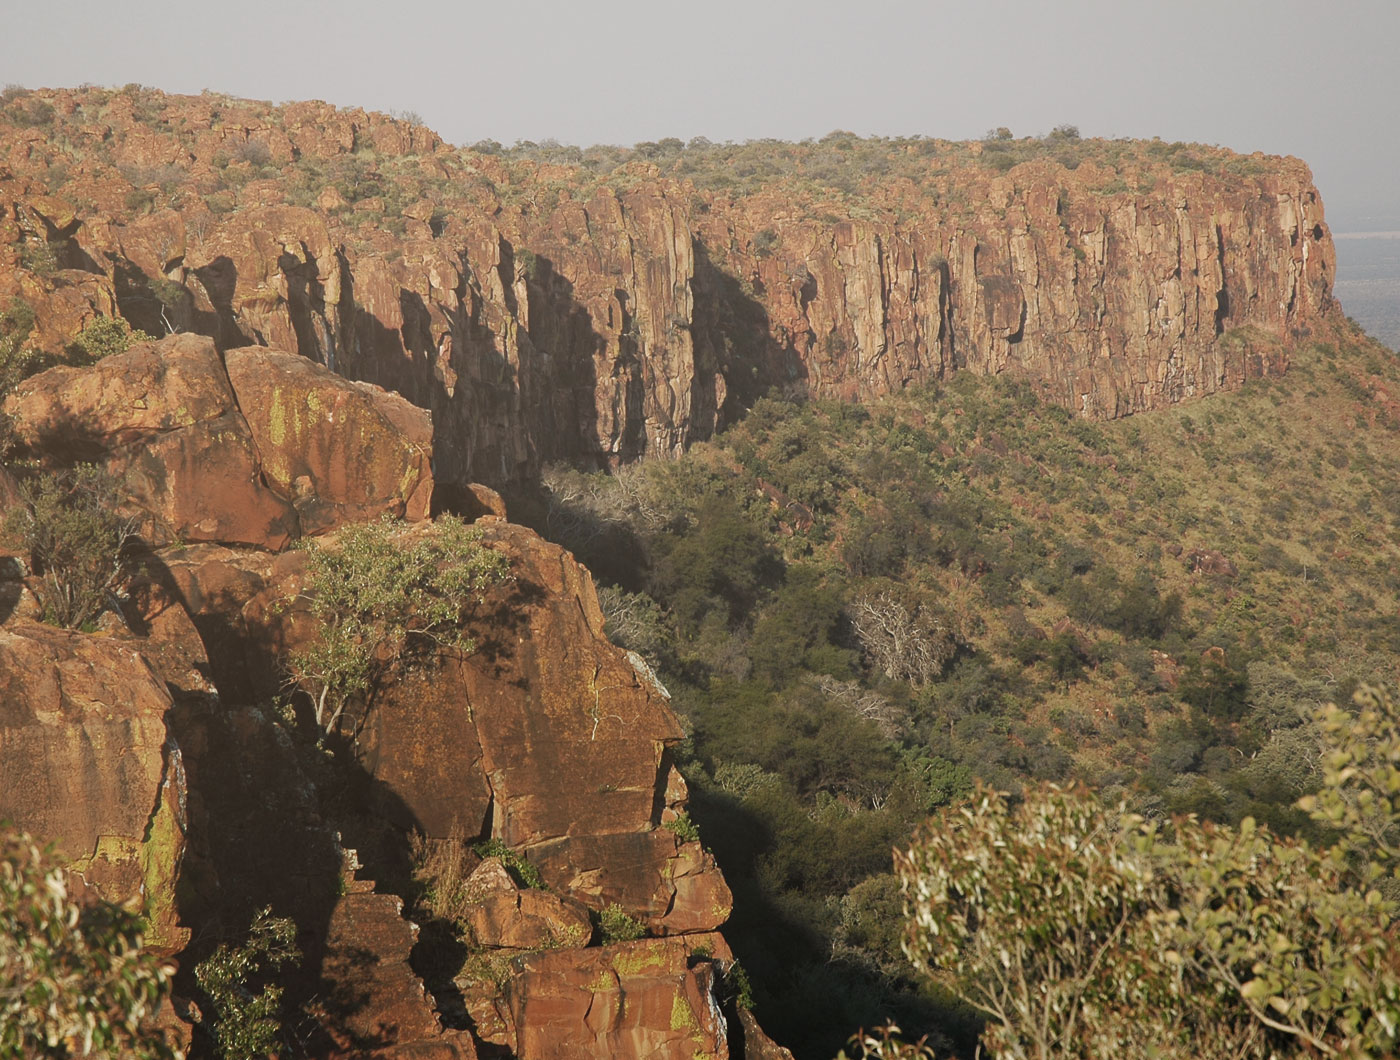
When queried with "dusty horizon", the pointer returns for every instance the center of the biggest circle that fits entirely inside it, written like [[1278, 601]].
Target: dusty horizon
[[1282, 77]]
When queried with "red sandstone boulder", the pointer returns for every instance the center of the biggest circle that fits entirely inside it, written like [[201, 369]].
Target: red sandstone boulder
[[87, 761], [342, 452], [271, 448], [504, 915], [647, 999], [163, 419]]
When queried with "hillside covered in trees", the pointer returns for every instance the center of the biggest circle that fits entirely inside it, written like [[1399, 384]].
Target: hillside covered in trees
[[862, 611]]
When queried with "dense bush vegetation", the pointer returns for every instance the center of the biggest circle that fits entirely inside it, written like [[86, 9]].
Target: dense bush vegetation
[[862, 610], [77, 541], [244, 999], [1081, 930]]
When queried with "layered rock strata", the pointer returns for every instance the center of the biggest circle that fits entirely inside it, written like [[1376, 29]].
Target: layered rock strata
[[541, 316]]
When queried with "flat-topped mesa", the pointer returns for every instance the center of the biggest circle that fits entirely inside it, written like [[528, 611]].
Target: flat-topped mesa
[[626, 303]]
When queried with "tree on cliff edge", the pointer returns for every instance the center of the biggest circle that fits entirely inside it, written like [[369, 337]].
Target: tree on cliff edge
[[376, 595]]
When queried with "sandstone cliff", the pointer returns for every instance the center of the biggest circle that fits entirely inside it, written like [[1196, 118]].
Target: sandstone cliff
[[558, 311], [154, 752]]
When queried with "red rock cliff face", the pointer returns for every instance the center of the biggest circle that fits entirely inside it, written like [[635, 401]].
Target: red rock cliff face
[[541, 314], [151, 751]]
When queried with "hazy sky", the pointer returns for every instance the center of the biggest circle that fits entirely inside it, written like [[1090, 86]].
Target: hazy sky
[[1320, 81]]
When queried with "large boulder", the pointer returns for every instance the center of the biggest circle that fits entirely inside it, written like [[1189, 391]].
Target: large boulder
[[343, 452], [503, 915], [256, 453], [87, 761], [164, 420], [648, 998]]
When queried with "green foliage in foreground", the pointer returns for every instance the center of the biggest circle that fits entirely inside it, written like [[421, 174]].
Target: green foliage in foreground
[[1083, 930], [377, 595], [247, 1024], [74, 980]]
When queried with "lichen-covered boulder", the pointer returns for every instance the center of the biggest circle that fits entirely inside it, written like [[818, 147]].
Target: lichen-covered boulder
[[87, 762], [163, 419], [342, 452], [628, 1001]]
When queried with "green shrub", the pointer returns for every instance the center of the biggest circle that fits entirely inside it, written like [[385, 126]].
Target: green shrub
[[734, 983], [525, 874], [247, 1024], [38, 256], [74, 980], [377, 597], [18, 360], [615, 924], [102, 337], [685, 829], [77, 542]]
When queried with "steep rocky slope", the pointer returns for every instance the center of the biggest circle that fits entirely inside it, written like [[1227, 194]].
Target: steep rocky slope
[[548, 311], [154, 752]]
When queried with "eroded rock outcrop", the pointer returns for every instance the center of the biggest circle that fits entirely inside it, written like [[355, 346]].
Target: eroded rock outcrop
[[652, 997], [254, 447], [89, 762], [546, 738]]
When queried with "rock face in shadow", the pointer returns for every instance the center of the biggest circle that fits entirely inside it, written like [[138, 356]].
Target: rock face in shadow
[[543, 316]]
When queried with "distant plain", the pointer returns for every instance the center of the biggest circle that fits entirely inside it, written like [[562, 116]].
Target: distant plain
[[1368, 282]]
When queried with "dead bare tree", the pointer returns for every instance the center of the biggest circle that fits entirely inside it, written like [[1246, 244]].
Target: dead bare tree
[[907, 645]]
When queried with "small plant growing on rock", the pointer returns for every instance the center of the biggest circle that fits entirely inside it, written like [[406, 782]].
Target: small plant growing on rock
[[378, 597], [525, 874], [441, 868], [615, 924], [18, 360], [103, 337], [684, 827], [77, 542], [246, 1025], [74, 980]]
